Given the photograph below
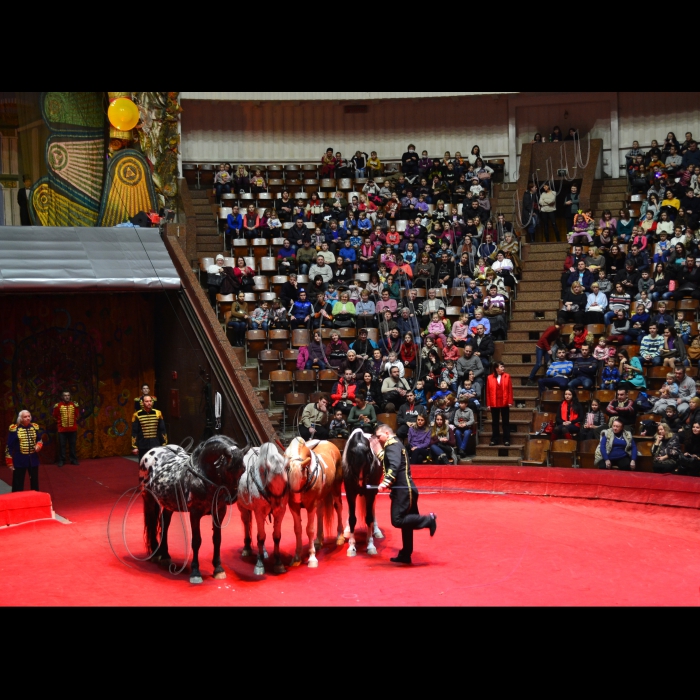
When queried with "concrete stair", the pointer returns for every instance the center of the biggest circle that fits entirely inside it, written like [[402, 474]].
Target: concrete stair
[[209, 241], [608, 194]]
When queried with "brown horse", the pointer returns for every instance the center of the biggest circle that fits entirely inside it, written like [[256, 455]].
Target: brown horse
[[315, 482]]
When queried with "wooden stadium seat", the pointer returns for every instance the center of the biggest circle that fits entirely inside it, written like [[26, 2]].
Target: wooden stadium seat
[[240, 247], [276, 283], [326, 333], [204, 264], [389, 419], [586, 453], [229, 262], [538, 419], [670, 304], [268, 265], [688, 305], [246, 197], [268, 361], [293, 184], [339, 443], [305, 380], [456, 295], [536, 453], [191, 174], [275, 171], [604, 397], [289, 359], [373, 334], [253, 374], [303, 279], [347, 334], [345, 184], [224, 302], [362, 277], [260, 284], [551, 400], [206, 175], [583, 395], [309, 170], [567, 329], [250, 261], [315, 397], [278, 339], [311, 185], [638, 424], [328, 185], [300, 195], [563, 453], [691, 371], [293, 406], [645, 462], [260, 248], [632, 350], [326, 380], [280, 383], [275, 185], [453, 312], [256, 341], [300, 337], [266, 198], [596, 328], [250, 297]]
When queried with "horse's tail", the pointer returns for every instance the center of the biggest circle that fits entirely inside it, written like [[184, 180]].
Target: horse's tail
[[328, 512], [151, 521]]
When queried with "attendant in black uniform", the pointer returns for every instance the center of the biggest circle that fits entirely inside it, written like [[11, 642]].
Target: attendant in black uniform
[[23, 201], [404, 495], [138, 402], [147, 429], [22, 452]]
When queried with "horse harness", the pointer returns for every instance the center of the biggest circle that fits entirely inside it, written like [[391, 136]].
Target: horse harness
[[263, 490], [317, 461]]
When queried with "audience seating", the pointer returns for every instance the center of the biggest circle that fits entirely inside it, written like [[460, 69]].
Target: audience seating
[[268, 361], [289, 358], [255, 342], [645, 462], [563, 453], [278, 339], [536, 453], [293, 406], [326, 380], [389, 419], [300, 338], [586, 453], [305, 380], [280, 383]]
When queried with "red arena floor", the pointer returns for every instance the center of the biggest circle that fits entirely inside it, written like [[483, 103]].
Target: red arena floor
[[489, 550]]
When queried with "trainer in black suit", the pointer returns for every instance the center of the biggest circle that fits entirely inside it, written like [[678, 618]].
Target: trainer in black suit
[[23, 201]]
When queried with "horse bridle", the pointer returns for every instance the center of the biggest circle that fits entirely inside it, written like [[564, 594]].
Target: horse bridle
[[264, 490], [309, 481]]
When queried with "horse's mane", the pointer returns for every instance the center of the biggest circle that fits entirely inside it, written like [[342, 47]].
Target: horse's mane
[[359, 458]]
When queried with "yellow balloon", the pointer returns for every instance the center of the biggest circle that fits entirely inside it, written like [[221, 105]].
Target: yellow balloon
[[123, 114]]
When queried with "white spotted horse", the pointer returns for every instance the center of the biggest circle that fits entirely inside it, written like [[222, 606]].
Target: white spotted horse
[[315, 482], [362, 473], [263, 490], [201, 484]]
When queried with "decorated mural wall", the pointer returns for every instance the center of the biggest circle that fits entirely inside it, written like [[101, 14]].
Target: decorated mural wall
[[100, 347]]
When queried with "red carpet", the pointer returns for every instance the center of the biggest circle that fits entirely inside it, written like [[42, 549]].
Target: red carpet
[[488, 550]]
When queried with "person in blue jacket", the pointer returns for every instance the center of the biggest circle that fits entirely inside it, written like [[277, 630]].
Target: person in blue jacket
[[234, 226], [302, 311]]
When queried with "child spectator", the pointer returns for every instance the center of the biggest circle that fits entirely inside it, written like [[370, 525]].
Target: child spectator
[[338, 427], [449, 376], [594, 423], [467, 390], [259, 317], [436, 331], [610, 376], [419, 391], [601, 351], [463, 421], [682, 327], [662, 319], [277, 318]]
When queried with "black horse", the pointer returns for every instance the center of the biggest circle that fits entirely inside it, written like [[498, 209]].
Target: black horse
[[201, 484], [362, 473]]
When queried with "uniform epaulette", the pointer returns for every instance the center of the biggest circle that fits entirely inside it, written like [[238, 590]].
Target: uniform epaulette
[[76, 404], [158, 413], [13, 428], [55, 405], [135, 416]]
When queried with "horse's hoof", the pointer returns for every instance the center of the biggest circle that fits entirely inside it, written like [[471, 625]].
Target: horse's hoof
[[352, 552], [313, 564], [296, 562], [246, 553], [220, 576], [340, 541], [280, 569], [372, 551], [196, 579], [259, 570], [378, 534]]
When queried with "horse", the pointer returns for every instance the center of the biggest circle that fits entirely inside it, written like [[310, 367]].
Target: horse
[[263, 490], [361, 472], [172, 481], [315, 482]]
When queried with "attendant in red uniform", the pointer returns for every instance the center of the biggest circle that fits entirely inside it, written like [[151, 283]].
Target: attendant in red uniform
[[499, 399], [544, 347], [66, 415]]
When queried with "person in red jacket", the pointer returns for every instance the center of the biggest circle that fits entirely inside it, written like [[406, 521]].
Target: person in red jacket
[[66, 414], [544, 347], [343, 395], [499, 399]]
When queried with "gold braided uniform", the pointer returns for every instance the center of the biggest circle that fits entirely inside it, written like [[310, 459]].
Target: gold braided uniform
[[147, 431]]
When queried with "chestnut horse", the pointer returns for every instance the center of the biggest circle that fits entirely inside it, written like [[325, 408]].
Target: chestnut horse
[[315, 482]]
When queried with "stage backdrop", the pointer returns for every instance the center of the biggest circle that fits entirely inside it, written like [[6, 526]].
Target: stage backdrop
[[98, 346]]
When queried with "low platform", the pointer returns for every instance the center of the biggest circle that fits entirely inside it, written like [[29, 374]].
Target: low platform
[[24, 507], [626, 487]]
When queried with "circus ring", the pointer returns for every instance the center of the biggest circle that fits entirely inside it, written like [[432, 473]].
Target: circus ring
[[506, 536]]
